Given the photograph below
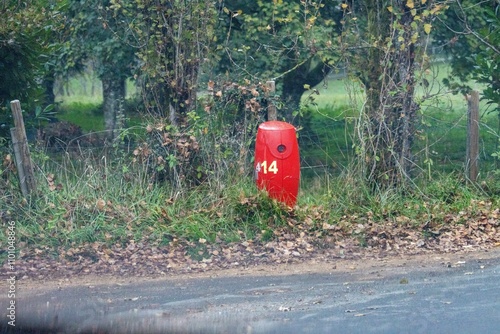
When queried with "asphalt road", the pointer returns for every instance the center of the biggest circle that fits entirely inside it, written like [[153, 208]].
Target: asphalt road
[[458, 296]]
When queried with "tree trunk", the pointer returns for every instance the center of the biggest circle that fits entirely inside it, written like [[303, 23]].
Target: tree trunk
[[390, 106], [48, 85], [293, 84], [113, 91], [293, 88]]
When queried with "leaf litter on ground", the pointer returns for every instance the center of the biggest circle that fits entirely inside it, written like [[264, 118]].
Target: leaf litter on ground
[[304, 236]]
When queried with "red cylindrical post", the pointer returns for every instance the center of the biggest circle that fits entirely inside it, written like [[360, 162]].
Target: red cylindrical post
[[277, 161]]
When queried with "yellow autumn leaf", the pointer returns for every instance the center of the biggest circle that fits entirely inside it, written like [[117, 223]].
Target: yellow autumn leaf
[[427, 28], [423, 2], [389, 9], [436, 9], [344, 6], [410, 4], [414, 38]]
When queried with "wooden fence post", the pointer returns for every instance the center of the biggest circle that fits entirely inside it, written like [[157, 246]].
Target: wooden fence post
[[272, 114], [22, 151], [472, 160]]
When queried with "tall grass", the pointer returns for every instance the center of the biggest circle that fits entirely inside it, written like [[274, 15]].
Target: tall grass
[[86, 197]]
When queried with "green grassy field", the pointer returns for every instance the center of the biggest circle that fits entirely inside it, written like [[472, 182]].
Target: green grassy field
[[80, 101], [442, 126], [85, 89]]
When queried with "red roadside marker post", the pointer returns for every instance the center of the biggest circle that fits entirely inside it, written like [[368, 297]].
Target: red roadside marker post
[[277, 161]]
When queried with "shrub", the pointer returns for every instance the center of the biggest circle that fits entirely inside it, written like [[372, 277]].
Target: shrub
[[170, 153], [207, 144]]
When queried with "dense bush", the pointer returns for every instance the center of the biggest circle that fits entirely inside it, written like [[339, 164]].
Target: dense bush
[[208, 144]]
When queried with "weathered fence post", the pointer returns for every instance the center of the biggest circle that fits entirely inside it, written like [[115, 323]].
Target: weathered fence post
[[272, 114], [472, 160], [22, 151]]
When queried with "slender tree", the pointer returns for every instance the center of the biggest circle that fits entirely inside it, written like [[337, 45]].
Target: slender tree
[[172, 40], [384, 43], [95, 37]]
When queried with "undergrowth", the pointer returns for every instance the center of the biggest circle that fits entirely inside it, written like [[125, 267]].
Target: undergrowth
[[92, 198]]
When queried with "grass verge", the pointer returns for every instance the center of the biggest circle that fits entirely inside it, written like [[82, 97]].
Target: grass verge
[[88, 199]]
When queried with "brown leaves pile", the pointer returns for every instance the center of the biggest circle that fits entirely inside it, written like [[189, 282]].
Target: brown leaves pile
[[474, 229]]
